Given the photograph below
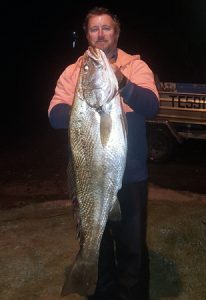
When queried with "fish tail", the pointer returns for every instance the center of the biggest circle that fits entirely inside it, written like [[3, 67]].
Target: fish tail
[[81, 278]]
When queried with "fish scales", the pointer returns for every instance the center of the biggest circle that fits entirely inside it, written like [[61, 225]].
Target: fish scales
[[97, 134]]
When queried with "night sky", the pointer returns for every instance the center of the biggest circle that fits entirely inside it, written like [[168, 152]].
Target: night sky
[[36, 42]]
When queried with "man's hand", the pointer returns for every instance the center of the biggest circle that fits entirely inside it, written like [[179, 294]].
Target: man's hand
[[122, 80]]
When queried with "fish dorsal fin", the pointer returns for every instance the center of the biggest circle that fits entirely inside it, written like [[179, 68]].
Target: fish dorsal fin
[[123, 120]]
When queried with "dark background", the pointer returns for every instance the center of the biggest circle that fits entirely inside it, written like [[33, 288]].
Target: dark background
[[36, 44]]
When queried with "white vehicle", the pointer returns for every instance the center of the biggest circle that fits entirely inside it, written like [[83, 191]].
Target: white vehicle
[[182, 115]]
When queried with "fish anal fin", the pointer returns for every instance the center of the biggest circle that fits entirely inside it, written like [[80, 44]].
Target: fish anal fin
[[115, 212]]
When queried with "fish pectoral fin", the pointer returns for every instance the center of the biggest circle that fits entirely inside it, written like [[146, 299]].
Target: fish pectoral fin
[[115, 212], [105, 127]]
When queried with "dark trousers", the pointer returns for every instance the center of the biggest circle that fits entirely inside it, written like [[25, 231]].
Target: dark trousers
[[124, 260]]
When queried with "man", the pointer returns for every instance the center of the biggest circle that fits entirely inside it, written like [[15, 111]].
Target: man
[[124, 259]]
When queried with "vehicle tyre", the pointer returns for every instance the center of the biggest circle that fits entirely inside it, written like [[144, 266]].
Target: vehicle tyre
[[161, 145]]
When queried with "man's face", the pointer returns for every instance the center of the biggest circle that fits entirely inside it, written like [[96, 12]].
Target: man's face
[[102, 33]]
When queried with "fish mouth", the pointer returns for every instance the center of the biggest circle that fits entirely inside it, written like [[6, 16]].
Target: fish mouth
[[96, 55], [94, 52]]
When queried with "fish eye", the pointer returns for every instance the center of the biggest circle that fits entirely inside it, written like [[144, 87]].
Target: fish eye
[[86, 67]]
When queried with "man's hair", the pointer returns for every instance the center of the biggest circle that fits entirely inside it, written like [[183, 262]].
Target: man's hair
[[98, 11]]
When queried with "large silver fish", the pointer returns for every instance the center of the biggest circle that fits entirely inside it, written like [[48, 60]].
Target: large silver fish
[[97, 133]]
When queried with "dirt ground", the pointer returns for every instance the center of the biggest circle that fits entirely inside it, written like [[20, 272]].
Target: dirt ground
[[38, 242], [37, 235]]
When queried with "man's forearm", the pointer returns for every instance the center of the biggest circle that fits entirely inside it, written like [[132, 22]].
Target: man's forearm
[[142, 100], [59, 116]]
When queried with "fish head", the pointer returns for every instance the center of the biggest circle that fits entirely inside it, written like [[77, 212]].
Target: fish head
[[98, 81]]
